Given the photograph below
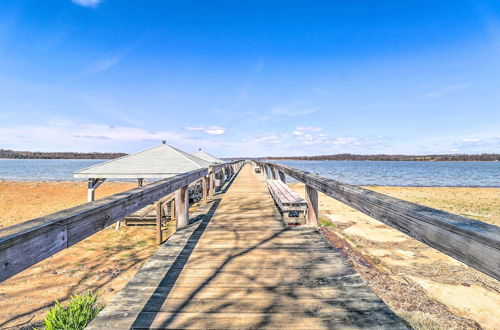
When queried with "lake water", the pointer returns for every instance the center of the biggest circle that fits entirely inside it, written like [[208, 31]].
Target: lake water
[[43, 169], [394, 173], [481, 174]]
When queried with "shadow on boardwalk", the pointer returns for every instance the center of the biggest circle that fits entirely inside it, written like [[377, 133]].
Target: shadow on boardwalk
[[241, 268]]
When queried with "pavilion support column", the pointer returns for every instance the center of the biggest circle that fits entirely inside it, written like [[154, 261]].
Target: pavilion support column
[[91, 187], [312, 206], [282, 176], [182, 207], [204, 190]]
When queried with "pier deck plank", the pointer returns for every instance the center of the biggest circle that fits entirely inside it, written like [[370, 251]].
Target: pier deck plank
[[240, 267]]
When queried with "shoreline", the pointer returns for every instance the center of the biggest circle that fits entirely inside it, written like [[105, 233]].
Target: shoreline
[[289, 181], [106, 261]]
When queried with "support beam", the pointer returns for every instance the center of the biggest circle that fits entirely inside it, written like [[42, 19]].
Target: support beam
[[182, 207], [211, 184], [172, 209], [312, 206], [282, 176], [159, 214], [223, 175], [204, 190], [91, 187]]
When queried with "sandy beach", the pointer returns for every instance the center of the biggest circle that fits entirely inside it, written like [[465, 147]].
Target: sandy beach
[[427, 288], [104, 262], [422, 285]]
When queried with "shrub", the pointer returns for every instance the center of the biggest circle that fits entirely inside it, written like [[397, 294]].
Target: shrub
[[77, 315]]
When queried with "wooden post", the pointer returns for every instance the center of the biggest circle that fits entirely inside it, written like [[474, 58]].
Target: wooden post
[[204, 188], [211, 183], [182, 207], [172, 209], [312, 206], [282, 176], [140, 182], [272, 173], [158, 223]]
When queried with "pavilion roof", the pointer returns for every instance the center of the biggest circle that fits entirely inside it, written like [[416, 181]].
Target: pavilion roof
[[162, 161], [206, 156]]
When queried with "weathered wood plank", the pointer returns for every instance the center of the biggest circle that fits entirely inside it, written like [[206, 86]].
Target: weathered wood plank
[[79, 222], [472, 242], [182, 207], [158, 222], [220, 278], [312, 206]]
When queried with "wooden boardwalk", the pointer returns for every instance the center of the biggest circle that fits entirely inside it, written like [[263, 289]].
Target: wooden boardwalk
[[237, 266]]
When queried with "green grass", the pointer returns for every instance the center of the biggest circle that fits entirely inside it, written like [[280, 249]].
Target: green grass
[[81, 310], [326, 223], [141, 243]]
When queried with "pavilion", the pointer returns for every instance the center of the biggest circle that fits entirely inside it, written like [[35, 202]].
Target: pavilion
[[163, 161], [207, 157]]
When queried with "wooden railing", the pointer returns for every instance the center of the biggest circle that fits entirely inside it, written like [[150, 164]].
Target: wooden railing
[[27, 243], [472, 242]]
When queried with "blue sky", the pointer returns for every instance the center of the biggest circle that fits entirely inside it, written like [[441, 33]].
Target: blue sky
[[251, 78]]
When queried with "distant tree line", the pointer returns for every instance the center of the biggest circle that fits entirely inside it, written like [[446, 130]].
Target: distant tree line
[[381, 157], [58, 155]]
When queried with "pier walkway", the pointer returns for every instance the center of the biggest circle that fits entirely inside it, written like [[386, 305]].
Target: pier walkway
[[237, 266]]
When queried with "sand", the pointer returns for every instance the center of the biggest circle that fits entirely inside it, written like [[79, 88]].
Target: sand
[[104, 262], [424, 286]]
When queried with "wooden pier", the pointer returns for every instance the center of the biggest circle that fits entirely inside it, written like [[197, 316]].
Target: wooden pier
[[238, 266], [234, 264]]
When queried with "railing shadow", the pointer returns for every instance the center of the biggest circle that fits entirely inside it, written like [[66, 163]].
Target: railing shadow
[[177, 266], [227, 185]]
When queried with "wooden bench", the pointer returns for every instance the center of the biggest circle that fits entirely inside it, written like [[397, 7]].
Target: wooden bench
[[147, 216], [292, 206], [257, 169]]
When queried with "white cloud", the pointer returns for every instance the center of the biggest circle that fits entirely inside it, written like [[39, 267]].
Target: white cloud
[[57, 135], [471, 140], [441, 90], [266, 138], [211, 130], [64, 135], [292, 110], [309, 128], [86, 3]]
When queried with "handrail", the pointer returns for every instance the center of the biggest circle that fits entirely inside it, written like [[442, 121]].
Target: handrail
[[24, 244], [470, 241]]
